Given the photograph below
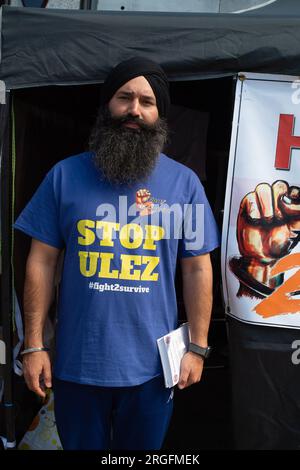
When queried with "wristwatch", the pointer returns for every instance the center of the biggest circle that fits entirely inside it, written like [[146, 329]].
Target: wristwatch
[[203, 352]]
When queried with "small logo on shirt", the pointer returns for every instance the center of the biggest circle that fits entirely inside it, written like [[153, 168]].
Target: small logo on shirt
[[146, 204]]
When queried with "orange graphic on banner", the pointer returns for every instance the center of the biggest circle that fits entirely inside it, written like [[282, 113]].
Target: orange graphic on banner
[[280, 301]]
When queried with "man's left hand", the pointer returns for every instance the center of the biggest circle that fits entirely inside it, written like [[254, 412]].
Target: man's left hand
[[191, 368]]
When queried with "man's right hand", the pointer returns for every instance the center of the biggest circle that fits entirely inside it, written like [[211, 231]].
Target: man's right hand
[[37, 372]]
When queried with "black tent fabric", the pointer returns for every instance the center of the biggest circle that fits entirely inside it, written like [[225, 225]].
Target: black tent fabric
[[60, 47], [265, 387]]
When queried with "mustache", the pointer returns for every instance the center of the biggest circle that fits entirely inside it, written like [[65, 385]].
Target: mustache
[[129, 118]]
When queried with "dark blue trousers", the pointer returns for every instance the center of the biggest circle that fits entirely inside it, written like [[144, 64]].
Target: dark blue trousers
[[110, 418]]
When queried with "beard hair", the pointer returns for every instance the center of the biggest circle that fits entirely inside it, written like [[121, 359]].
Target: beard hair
[[125, 155]]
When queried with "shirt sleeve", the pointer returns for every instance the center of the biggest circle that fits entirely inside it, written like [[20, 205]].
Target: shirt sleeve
[[200, 234], [40, 218]]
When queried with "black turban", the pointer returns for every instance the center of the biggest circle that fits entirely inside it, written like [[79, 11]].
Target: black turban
[[135, 67]]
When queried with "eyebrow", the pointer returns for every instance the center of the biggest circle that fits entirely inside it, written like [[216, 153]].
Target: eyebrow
[[131, 93]]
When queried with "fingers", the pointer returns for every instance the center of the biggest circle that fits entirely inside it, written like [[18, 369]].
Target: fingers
[[183, 380], [187, 380], [290, 202], [258, 205], [250, 207], [269, 202], [269, 222], [34, 384], [279, 188], [47, 376], [265, 201], [190, 370], [37, 372]]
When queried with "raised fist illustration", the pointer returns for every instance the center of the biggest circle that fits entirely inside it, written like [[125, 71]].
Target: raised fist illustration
[[143, 202], [142, 196], [269, 221], [268, 228]]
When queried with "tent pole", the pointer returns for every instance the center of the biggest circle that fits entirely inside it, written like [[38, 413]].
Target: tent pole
[[6, 302]]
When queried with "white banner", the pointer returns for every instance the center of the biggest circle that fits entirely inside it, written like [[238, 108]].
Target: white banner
[[261, 227]]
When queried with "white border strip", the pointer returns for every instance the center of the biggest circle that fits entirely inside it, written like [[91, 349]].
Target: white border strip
[[2, 92], [229, 185], [256, 7]]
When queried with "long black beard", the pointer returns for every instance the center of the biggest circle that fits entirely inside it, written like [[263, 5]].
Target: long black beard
[[125, 155]]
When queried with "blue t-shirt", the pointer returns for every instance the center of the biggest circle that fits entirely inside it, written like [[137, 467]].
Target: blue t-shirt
[[117, 293]]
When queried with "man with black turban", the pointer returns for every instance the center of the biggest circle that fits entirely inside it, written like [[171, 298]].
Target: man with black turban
[[131, 130], [123, 213]]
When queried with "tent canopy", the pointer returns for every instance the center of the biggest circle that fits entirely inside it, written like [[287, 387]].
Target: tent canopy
[[60, 47]]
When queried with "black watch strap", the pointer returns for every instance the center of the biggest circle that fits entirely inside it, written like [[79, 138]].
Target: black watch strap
[[203, 352]]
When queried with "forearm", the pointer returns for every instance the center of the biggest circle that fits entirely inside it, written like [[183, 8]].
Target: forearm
[[197, 296], [38, 294]]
